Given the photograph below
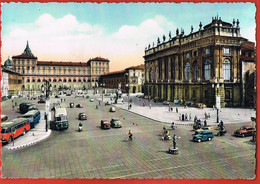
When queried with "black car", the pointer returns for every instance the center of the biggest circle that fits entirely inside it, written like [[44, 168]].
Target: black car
[[71, 105], [79, 106], [57, 96], [82, 116], [42, 101]]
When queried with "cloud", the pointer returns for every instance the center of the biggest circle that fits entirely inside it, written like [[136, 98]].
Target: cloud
[[67, 39]]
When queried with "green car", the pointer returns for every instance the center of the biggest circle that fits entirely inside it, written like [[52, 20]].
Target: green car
[[115, 123]]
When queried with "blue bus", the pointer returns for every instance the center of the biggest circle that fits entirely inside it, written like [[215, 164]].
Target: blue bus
[[33, 116]]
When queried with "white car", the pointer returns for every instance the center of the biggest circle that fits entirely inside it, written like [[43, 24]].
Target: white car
[[112, 109], [91, 100]]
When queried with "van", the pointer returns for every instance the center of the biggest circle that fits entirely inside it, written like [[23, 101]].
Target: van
[[205, 135]]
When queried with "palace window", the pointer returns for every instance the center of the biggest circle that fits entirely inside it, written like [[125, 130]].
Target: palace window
[[64, 70], [187, 71], [187, 55], [43, 70], [28, 62], [207, 70], [227, 94], [22, 62], [79, 71], [207, 51], [39, 80], [74, 69], [59, 70], [196, 70], [226, 69], [226, 50], [195, 53], [49, 70]]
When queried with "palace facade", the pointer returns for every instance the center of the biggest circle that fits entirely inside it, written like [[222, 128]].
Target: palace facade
[[62, 75], [130, 79], [197, 67]]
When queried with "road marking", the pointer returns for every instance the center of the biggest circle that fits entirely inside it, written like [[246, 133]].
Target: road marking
[[175, 167]]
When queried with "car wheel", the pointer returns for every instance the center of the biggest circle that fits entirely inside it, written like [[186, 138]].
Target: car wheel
[[209, 139], [199, 140], [24, 131], [10, 139]]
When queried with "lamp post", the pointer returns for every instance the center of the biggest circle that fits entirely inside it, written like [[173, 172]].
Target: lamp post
[[217, 100], [47, 88], [128, 87]]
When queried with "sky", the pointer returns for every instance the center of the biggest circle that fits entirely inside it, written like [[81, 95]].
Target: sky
[[116, 31]]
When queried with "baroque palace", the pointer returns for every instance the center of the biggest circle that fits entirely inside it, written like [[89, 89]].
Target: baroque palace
[[198, 67], [62, 75]]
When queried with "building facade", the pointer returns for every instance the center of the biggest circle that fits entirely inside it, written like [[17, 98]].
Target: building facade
[[11, 82], [62, 75], [197, 67], [130, 80]]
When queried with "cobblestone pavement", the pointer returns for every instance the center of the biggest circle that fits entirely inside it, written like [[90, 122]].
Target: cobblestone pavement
[[96, 153]]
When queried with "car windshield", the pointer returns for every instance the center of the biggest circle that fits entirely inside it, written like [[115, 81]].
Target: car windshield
[[5, 130], [242, 128]]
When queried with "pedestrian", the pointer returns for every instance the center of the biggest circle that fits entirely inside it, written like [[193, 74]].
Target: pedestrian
[[150, 105], [169, 108], [176, 110], [190, 117], [13, 106], [99, 102], [186, 117], [205, 123], [208, 115], [61, 99], [15, 103], [195, 119]]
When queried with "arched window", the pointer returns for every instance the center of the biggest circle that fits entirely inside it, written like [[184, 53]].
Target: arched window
[[60, 80], [196, 70], [79, 80], [33, 80], [187, 71], [28, 80], [64, 80], [54, 80], [74, 80], [49, 80], [84, 80], [207, 70], [39, 80], [226, 69], [69, 80]]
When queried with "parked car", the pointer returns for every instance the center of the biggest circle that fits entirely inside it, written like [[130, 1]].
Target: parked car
[[200, 105], [245, 131], [205, 135], [115, 123], [166, 103], [71, 104], [211, 128], [4, 118], [112, 109], [57, 96], [108, 103], [91, 100], [105, 124], [42, 101], [82, 116], [79, 106], [87, 96]]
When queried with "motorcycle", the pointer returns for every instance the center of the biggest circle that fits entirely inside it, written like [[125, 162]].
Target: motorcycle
[[80, 128]]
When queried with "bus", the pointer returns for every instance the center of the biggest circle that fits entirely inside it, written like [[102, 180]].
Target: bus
[[26, 106], [33, 116], [13, 129], [60, 119]]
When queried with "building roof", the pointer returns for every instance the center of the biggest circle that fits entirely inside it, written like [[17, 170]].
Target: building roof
[[115, 72], [246, 58], [9, 70], [136, 67], [8, 62], [61, 63], [27, 54], [248, 46], [98, 59]]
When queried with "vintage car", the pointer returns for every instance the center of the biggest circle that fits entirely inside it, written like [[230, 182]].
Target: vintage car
[[200, 105], [115, 123], [108, 103], [211, 128], [57, 96], [91, 100], [82, 116], [42, 101], [4, 118], [112, 109], [245, 131], [165, 103], [105, 124], [205, 135], [79, 106]]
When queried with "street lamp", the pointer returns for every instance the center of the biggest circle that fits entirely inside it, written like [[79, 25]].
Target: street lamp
[[128, 87], [47, 88], [217, 100]]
